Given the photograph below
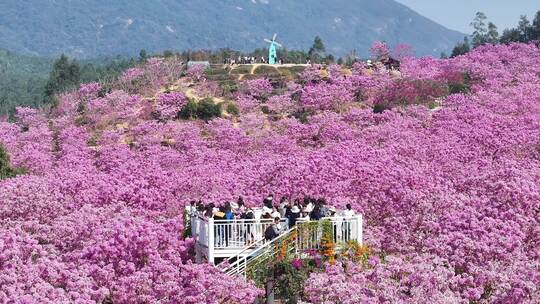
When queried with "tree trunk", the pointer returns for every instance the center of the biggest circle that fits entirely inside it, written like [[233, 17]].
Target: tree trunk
[[270, 292]]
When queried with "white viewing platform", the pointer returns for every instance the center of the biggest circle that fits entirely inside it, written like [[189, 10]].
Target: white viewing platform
[[215, 239]]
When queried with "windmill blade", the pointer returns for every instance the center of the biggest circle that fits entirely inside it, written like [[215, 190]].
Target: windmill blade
[[278, 44], [274, 38], [268, 40]]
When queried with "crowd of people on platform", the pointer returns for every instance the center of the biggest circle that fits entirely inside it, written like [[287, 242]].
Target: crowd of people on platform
[[285, 213]]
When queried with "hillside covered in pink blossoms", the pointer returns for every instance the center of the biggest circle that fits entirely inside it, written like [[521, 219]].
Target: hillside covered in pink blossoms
[[445, 170]]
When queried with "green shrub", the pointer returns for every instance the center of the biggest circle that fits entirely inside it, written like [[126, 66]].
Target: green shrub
[[378, 108], [241, 70], [6, 171], [455, 88], [81, 120], [216, 71], [462, 87], [294, 69], [221, 78], [189, 111], [250, 77], [265, 109], [264, 70], [104, 90], [208, 109], [205, 109], [303, 115], [285, 72], [229, 87], [232, 109], [432, 104]]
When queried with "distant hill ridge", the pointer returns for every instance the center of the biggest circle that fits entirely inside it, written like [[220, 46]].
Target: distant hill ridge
[[90, 28]]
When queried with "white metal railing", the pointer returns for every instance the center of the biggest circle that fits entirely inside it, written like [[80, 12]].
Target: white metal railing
[[229, 238], [308, 237], [239, 233], [237, 263], [344, 230], [216, 236], [265, 250]]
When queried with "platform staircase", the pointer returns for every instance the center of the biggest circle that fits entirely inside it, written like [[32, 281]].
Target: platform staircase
[[239, 245], [248, 259]]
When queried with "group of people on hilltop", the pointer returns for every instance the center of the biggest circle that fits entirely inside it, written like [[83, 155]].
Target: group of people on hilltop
[[248, 60], [244, 60], [284, 214], [385, 63]]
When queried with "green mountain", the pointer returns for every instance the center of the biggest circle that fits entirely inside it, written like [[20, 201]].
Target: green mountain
[[22, 79], [91, 28]]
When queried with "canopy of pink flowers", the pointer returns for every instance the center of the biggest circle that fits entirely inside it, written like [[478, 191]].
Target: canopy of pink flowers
[[450, 195]]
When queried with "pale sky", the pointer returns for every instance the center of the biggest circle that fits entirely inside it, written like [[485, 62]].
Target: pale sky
[[457, 14]]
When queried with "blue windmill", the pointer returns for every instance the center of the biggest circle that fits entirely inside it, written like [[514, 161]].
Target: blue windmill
[[272, 52]]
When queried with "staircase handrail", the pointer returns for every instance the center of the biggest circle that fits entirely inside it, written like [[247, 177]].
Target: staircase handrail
[[242, 255], [261, 254], [255, 261]]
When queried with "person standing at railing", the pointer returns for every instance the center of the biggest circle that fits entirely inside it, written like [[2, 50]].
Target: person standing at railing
[[191, 209], [348, 214], [229, 217], [288, 208], [316, 213], [219, 230], [241, 210], [325, 212], [268, 204], [282, 208], [292, 216], [209, 211], [308, 205], [191, 212], [304, 215], [249, 235]]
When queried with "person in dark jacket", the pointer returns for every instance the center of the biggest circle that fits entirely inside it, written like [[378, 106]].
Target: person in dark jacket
[[315, 214], [273, 231], [293, 215], [248, 234]]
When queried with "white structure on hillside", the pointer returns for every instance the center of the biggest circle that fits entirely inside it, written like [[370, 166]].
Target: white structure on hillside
[[241, 238]]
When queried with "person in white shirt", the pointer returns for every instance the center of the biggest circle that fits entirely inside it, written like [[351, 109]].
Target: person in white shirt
[[266, 209], [268, 204], [304, 216], [190, 214], [309, 207], [191, 210], [278, 227], [348, 212], [241, 206], [275, 213]]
